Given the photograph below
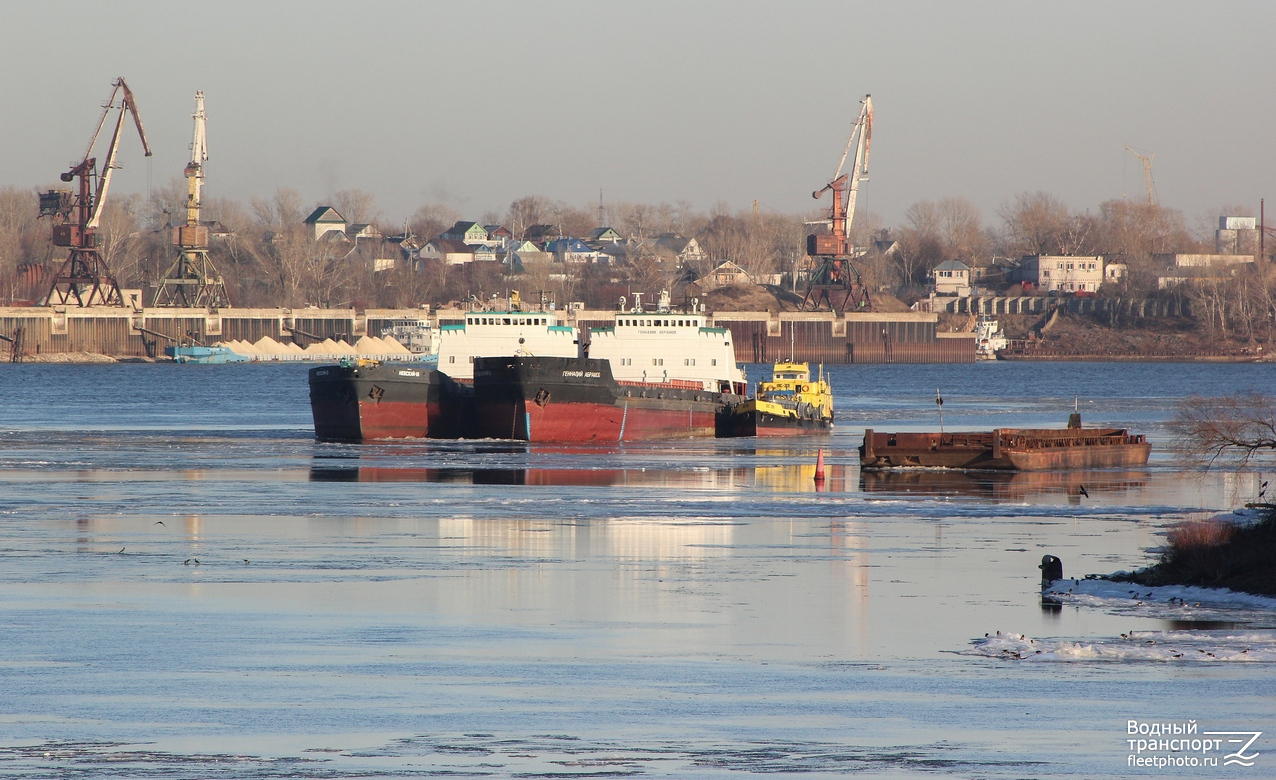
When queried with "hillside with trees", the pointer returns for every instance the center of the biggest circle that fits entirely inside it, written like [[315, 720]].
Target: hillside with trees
[[270, 256]]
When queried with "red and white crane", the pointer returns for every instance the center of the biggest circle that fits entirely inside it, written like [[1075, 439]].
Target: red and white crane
[[833, 250], [85, 279]]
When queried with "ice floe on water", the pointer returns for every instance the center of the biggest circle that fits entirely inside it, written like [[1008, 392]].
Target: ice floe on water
[[1172, 602], [1171, 646], [1212, 625]]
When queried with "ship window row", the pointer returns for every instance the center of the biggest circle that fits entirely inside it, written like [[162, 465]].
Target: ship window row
[[656, 323], [506, 320]]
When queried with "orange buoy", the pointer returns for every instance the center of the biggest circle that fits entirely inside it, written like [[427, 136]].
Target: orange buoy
[[819, 466]]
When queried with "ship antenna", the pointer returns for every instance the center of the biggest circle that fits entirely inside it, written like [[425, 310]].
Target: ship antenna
[[939, 401], [792, 338]]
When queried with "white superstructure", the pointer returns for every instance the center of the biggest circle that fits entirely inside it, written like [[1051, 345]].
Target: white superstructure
[[668, 347], [501, 334]]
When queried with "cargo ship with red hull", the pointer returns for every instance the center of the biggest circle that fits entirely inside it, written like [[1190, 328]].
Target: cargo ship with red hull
[[578, 400], [366, 400], [658, 374], [369, 401]]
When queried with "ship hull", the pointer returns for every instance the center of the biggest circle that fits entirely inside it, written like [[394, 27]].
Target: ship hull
[[578, 400], [1006, 450], [756, 422], [373, 402]]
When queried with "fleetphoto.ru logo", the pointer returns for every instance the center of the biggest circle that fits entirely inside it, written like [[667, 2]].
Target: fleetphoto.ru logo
[[1159, 745]]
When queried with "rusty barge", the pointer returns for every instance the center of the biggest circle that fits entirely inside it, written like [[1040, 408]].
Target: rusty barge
[[1007, 449]]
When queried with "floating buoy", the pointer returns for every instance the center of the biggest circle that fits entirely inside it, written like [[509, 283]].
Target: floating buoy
[[819, 466]]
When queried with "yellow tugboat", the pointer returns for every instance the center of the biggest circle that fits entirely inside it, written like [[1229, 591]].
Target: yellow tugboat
[[791, 403]]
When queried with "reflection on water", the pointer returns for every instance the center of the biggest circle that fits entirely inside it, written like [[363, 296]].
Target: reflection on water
[[681, 609], [1001, 485], [793, 478]]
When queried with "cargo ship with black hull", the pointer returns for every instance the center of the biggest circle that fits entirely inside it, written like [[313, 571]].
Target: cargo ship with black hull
[[363, 400], [1008, 449], [652, 375], [369, 401]]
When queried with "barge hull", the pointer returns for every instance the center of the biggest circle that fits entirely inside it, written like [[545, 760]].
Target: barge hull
[[1006, 449]]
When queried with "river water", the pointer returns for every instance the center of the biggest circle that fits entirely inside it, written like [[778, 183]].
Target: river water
[[192, 587]]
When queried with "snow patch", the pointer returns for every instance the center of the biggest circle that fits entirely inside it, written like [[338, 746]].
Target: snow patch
[[1110, 594], [1167, 646]]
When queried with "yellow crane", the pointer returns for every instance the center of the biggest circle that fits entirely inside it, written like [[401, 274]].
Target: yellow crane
[[1146, 159]]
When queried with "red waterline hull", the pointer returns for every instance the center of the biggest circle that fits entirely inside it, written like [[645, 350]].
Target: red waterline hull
[[575, 400], [376, 402]]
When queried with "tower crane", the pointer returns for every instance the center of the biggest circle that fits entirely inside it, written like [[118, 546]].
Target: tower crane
[[192, 280], [84, 278], [835, 273], [1146, 159]]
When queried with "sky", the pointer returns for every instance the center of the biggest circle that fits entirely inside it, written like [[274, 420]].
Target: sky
[[719, 104]]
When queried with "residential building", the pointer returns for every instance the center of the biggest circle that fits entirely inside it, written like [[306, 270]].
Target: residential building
[[952, 277], [605, 235], [687, 250], [1063, 273], [725, 274], [325, 219], [447, 250], [471, 233], [573, 250]]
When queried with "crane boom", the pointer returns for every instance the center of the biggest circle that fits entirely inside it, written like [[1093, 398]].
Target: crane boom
[[129, 105], [84, 278], [833, 250], [195, 168], [192, 280], [846, 187], [1148, 186]]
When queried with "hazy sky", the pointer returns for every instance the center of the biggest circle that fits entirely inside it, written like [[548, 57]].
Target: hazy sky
[[474, 104]]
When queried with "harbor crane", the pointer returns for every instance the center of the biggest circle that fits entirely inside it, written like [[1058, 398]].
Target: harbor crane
[[192, 280], [85, 279], [1146, 159], [835, 276]]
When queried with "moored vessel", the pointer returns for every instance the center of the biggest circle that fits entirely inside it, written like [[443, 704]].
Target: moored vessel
[[198, 353], [1010, 449], [651, 375], [361, 400], [365, 400], [791, 403]]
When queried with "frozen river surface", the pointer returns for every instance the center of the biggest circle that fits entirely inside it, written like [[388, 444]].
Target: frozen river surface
[[191, 587]]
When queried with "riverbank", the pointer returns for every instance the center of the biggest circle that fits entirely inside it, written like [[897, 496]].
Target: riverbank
[[1219, 552]]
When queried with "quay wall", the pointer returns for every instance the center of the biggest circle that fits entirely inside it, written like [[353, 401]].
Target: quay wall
[[115, 331], [759, 337], [1038, 304]]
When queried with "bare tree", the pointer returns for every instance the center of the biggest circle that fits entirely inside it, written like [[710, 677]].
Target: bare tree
[[432, 219], [527, 211], [355, 205], [1232, 428], [1036, 224]]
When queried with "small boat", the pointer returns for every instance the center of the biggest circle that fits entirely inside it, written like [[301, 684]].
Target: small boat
[[990, 338], [198, 353], [1007, 449], [791, 403]]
